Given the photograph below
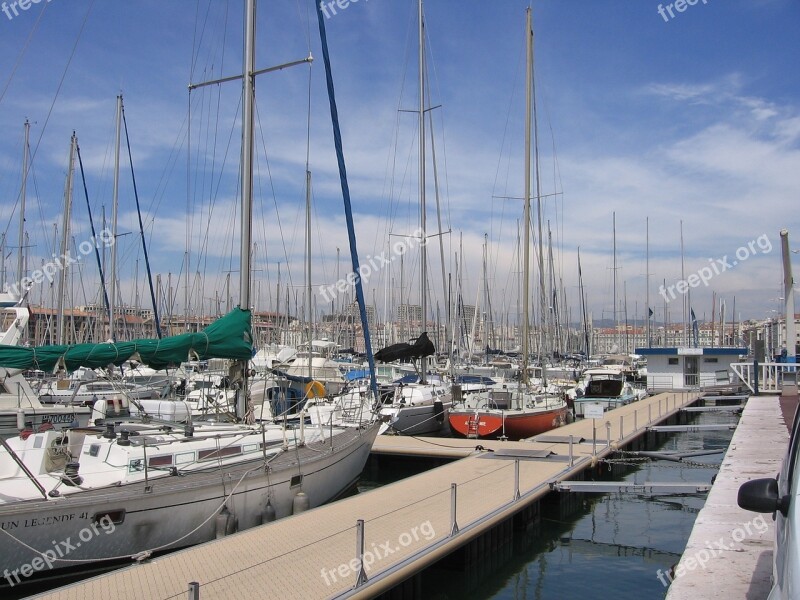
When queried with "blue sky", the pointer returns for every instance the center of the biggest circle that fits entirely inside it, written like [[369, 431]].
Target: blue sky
[[694, 119]]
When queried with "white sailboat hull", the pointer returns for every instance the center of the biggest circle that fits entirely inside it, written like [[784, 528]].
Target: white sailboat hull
[[178, 511]]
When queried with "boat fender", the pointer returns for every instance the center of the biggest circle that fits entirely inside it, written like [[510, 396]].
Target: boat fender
[[300, 503], [225, 523], [438, 411], [268, 515], [20, 419], [315, 389], [570, 417]]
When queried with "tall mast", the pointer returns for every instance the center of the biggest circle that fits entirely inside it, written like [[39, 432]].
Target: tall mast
[[544, 348], [647, 278], [423, 260], [22, 195], [248, 108], [112, 301], [614, 245], [527, 210], [686, 340], [62, 279]]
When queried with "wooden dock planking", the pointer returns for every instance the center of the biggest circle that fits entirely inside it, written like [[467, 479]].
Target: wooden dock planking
[[293, 557], [743, 569]]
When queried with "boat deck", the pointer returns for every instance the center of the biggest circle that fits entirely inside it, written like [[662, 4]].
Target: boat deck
[[408, 525], [729, 553]]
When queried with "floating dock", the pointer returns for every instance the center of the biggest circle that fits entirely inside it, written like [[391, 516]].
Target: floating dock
[[398, 529], [729, 552]]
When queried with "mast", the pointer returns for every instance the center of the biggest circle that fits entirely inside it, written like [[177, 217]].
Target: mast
[[527, 210], [614, 246], [684, 300], [112, 301], [647, 278], [423, 260], [22, 195], [62, 278], [308, 266], [544, 347]]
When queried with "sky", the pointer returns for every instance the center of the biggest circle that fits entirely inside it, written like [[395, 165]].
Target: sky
[[662, 121]]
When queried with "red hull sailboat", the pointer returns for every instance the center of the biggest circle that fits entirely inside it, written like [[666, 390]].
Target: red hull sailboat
[[539, 416]]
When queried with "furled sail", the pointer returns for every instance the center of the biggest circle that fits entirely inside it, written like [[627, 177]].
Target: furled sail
[[403, 351], [227, 337]]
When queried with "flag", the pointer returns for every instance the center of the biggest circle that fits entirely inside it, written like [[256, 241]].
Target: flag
[[695, 329], [650, 312]]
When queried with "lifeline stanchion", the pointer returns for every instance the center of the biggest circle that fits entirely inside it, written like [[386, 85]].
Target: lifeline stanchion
[[516, 479], [194, 590]]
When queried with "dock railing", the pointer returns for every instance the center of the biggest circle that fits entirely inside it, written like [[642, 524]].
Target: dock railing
[[767, 377]]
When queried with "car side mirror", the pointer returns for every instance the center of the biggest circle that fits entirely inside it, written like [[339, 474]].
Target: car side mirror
[[761, 495]]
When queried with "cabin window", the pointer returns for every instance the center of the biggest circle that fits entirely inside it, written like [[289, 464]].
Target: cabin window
[[160, 461], [710, 360], [250, 448], [221, 453], [673, 361], [94, 449], [136, 465], [184, 458], [296, 480]]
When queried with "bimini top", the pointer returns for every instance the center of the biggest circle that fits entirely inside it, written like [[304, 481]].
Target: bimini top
[[688, 351]]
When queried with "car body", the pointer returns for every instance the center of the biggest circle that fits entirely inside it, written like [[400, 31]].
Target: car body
[[780, 496]]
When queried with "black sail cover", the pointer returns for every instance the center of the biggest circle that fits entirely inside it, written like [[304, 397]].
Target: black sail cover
[[405, 351]]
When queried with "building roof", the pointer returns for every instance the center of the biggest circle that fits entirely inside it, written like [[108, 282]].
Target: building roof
[[683, 350]]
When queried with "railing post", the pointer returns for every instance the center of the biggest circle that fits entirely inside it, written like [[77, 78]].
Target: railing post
[[649, 414], [620, 427], [516, 479], [571, 456], [608, 434], [755, 377], [453, 522], [635, 421], [362, 574], [194, 590]]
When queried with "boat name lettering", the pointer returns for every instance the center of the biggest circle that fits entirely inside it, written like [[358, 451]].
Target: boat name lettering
[[52, 520]]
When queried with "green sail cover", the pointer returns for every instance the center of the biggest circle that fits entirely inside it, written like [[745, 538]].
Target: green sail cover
[[227, 337]]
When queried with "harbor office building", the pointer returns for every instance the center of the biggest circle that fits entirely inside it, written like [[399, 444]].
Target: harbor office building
[[684, 368]]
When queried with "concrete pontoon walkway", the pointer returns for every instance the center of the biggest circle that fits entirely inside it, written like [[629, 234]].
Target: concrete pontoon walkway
[[735, 545], [407, 524]]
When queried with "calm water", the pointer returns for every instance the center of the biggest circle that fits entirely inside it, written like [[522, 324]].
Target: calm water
[[612, 546]]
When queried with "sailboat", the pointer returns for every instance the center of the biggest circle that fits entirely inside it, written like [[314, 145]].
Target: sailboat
[[418, 406], [513, 410], [154, 485]]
